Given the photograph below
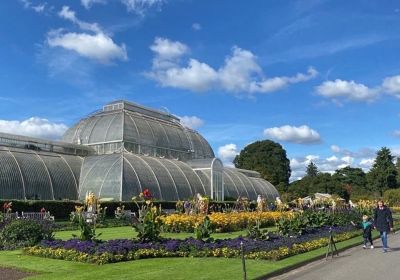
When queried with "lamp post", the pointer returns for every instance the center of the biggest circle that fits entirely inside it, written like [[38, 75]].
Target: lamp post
[[243, 261]]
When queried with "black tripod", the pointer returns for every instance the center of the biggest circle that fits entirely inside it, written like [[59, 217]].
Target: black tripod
[[331, 249]]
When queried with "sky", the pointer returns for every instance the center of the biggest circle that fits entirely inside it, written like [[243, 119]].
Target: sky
[[320, 77]]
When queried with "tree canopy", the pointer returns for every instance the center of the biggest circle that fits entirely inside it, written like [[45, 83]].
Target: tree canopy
[[383, 174], [312, 170], [269, 158]]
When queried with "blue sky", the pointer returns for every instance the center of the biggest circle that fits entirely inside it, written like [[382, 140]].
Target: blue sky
[[320, 77]]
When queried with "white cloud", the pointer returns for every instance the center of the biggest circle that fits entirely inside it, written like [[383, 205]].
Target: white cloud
[[98, 46], [89, 3], [196, 26], [332, 159], [166, 49], [300, 135], [391, 85], [192, 122], [227, 154], [239, 73], [95, 45], [68, 14], [349, 90], [361, 153], [367, 162], [141, 6], [34, 127]]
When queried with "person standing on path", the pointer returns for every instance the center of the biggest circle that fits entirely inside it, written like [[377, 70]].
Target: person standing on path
[[383, 222]]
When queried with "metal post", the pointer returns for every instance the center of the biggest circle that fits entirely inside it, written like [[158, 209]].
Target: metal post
[[243, 261]]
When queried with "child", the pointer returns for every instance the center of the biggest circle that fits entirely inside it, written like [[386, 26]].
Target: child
[[366, 225]]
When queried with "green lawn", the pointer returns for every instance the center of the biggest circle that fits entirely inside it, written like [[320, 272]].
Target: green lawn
[[128, 232], [163, 268]]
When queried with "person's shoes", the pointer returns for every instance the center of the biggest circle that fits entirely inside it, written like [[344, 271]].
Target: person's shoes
[[364, 247], [372, 246], [385, 250]]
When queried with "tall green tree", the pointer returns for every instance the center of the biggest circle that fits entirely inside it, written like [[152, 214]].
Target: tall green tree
[[398, 171], [383, 173], [312, 170], [269, 158]]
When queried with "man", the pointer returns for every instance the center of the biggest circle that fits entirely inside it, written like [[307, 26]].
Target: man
[[383, 222]]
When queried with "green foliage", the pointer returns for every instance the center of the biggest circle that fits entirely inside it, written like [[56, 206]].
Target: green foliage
[[392, 197], [256, 232], [310, 219], [22, 233], [398, 171], [204, 229], [148, 225], [312, 170], [383, 173], [291, 226], [86, 230], [268, 158]]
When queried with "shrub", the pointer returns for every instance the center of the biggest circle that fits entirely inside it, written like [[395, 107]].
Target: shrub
[[22, 233], [392, 197]]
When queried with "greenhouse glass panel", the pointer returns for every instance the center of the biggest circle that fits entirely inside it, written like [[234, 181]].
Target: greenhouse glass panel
[[11, 182]]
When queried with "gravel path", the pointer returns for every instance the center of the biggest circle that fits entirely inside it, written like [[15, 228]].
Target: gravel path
[[13, 274], [356, 263]]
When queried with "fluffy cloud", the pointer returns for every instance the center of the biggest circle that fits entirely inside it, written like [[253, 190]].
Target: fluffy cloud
[[350, 90], [300, 135], [239, 73], [347, 89], [99, 46], [88, 3], [192, 122], [95, 45], [392, 85], [141, 6], [227, 154], [34, 127]]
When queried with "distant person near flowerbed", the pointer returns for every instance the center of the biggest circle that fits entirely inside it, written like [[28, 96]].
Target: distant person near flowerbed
[[383, 222]]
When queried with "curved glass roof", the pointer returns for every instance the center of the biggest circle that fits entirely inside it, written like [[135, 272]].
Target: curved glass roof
[[26, 174], [123, 175], [156, 133]]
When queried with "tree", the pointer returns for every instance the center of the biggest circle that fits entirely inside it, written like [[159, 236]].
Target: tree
[[312, 170], [354, 180], [383, 173], [398, 171], [268, 158]]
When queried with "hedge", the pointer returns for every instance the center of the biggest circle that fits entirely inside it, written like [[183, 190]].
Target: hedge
[[61, 209]]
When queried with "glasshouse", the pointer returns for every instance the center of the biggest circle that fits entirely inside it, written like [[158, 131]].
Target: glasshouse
[[117, 152]]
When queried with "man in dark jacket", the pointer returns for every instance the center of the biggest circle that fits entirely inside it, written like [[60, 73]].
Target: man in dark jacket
[[383, 222]]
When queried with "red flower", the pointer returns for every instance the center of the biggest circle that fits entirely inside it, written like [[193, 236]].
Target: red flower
[[146, 194], [42, 210], [6, 206]]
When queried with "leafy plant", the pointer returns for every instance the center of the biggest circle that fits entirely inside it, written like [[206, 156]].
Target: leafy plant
[[255, 232], [148, 223], [204, 229]]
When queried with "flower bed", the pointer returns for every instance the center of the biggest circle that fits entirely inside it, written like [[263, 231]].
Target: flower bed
[[221, 222], [126, 250]]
